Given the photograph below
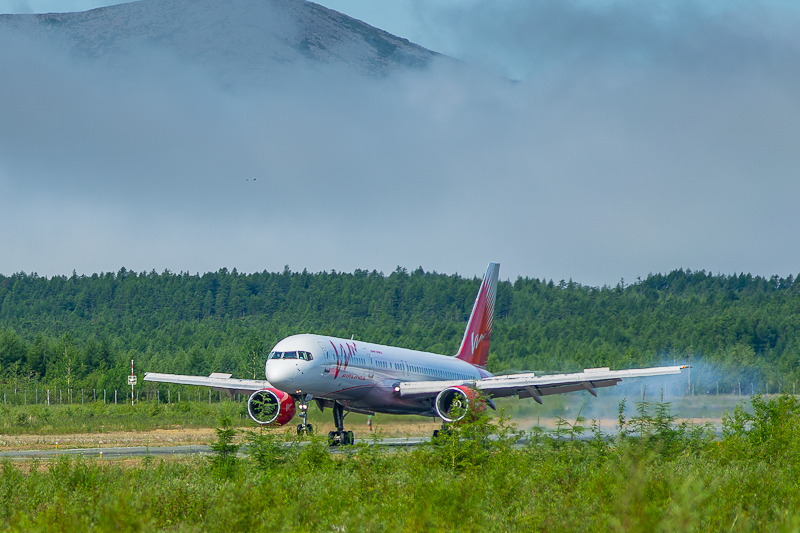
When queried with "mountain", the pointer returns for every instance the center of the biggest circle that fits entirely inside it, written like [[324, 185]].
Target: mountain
[[235, 40]]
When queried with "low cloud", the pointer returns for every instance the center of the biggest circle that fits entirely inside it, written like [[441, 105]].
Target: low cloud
[[636, 141]]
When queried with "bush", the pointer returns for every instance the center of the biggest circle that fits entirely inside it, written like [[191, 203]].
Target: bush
[[224, 458]]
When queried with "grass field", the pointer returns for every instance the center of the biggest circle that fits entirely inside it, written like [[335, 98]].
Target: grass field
[[98, 417], [653, 475]]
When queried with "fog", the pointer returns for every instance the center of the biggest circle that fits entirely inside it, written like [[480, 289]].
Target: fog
[[635, 138]]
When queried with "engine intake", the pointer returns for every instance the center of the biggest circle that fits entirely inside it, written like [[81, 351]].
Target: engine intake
[[452, 404], [271, 406]]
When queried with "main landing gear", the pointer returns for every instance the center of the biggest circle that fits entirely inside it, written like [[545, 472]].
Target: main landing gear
[[340, 436], [305, 428], [445, 431]]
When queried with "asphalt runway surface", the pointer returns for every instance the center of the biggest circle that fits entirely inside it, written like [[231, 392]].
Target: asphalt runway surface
[[137, 451]]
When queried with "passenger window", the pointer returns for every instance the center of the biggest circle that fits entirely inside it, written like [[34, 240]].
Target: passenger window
[[290, 355]]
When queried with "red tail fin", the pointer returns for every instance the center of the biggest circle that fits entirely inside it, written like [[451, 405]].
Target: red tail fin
[[475, 346]]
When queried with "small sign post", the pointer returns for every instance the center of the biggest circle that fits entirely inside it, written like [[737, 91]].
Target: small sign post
[[132, 381]]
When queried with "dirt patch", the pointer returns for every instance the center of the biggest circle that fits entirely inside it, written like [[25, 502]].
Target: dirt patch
[[112, 439], [44, 465], [187, 436]]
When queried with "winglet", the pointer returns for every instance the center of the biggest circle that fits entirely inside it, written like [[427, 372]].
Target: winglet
[[475, 345]]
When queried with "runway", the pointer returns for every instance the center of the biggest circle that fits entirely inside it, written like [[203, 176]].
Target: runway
[[136, 451]]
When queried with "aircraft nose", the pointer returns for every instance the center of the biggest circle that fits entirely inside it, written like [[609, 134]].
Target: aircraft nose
[[282, 374]]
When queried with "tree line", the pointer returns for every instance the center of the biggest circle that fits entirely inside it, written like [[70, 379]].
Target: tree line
[[82, 331]]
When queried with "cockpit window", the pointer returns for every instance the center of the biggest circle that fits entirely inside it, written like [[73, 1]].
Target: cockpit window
[[305, 356]]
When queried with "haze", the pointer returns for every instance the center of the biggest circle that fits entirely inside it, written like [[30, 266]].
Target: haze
[[637, 138]]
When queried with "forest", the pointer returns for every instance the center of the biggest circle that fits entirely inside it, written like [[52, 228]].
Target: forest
[[83, 331]]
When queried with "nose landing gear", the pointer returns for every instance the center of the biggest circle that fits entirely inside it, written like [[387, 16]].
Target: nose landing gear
[[305, 428], [340, 436]]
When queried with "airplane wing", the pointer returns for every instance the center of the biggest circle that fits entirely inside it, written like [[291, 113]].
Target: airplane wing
[[529, 385], [217, 381]]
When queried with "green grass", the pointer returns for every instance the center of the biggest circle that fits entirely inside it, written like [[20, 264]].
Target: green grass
[[656, 476], [98, 417], [94, 417]]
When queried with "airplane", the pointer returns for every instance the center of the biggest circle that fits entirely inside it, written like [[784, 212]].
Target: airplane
[[360, 377]]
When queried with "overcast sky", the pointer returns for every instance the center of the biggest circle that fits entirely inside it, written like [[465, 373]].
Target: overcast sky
[[640, 137]]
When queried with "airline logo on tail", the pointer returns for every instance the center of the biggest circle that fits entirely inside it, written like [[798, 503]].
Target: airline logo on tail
[[475, 346], [476, 340]]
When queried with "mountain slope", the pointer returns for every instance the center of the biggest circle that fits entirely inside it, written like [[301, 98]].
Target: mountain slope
[[236, 40]]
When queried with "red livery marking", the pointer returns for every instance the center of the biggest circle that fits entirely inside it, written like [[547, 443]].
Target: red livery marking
[[343, 356]]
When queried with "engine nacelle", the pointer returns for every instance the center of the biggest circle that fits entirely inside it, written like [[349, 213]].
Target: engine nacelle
[[453, 403], [271, 406]]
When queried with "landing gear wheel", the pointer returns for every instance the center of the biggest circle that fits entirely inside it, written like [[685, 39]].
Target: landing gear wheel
[[341, 438], [445, 431], [305, 428]]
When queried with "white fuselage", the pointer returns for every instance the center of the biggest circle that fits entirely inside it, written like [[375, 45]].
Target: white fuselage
[[361, 374]]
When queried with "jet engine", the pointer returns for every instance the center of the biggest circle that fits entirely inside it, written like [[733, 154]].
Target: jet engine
[[271, 406], [453, 403]]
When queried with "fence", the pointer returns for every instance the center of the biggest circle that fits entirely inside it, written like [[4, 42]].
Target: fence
[[46, 396]]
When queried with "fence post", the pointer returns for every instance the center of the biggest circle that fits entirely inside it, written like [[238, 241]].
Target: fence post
[[115, 396], [104, 396], [48, 397]]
